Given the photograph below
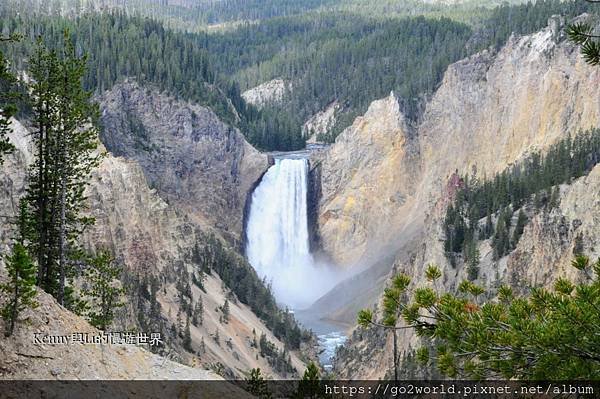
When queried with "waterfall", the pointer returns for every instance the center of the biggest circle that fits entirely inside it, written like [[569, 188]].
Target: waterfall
[[277, 247], [277, 234]]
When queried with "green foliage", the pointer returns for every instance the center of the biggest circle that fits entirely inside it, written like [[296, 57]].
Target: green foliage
[[583, 35], [472, 258], [65, 139], [454, 229], [423, 355], [225, 311], [346, 51], [104, 292], [187, 336], [334, 54], [242, 280], [7, 98], [256, 384], [545, 335], [198, 314], [392, 300], [528, 181], [142, 293], [518, 232], [310, 386], [280, 360], [267, 348], [20, 288], [527, 18], [432, 273], [183, 14], [365, 317], [394, 305], [360, 55], [120, 46], [343, 57], [580, 262], [501, 240]]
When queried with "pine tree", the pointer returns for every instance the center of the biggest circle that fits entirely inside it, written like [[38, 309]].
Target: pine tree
[[310, 385], [492, 339], [489, 227], [198, 315], [187, 336], [216, 337], [225, 310], [538, 200], [392, 308], [254, 342], [199, 281], [75, 153], [179, 324], [256, 384], [43, 68], [7, 97], [554, 198], [501, 240], [583, 34], [103, 292], [66, 139], [20, 287], [520, 226], [472, 259]]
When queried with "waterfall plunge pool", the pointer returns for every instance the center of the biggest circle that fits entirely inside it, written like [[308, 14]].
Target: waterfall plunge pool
[[277, 247]]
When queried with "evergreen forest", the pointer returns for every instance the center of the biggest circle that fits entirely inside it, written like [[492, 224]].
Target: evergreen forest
[[327, 55]]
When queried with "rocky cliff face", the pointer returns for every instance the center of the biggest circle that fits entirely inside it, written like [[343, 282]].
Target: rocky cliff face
[[26, 356], [321, 122], [491, 110], [545, 251], [194, 160], [152, 238], [269, 92], [368, 179]]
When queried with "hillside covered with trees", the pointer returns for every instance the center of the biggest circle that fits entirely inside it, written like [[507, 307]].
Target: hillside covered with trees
[[325, 55]]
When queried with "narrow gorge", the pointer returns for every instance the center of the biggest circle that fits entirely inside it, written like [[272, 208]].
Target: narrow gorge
[[278, 247], [292, 192]]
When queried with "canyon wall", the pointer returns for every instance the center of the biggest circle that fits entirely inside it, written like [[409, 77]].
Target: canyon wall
[[382, 175], [268, 93], [491, 110], [193, 159], [155, 238], [368, 180]]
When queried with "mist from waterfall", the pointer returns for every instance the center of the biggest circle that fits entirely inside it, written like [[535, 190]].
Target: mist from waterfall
[[277, 236]]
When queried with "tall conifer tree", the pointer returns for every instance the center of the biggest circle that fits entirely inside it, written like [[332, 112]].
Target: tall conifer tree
[[20, 287], [7, 108], [66, 140]]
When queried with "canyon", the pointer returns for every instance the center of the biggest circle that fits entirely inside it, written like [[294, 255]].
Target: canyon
[[175, 177], [492, 110], [154, 232]]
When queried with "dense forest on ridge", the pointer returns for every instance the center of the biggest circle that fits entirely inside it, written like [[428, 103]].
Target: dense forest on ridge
[[326, 56]]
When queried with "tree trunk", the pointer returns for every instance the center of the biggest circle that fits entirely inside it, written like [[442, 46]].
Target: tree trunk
[[41, 205], [63, 168], [15, 307], [62, 241], [395, 356]]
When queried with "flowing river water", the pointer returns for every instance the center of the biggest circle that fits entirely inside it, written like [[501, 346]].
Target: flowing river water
[[278, 247]]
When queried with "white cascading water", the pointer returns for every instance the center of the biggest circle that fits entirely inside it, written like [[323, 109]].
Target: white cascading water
[[278, 246], [277, 235]]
